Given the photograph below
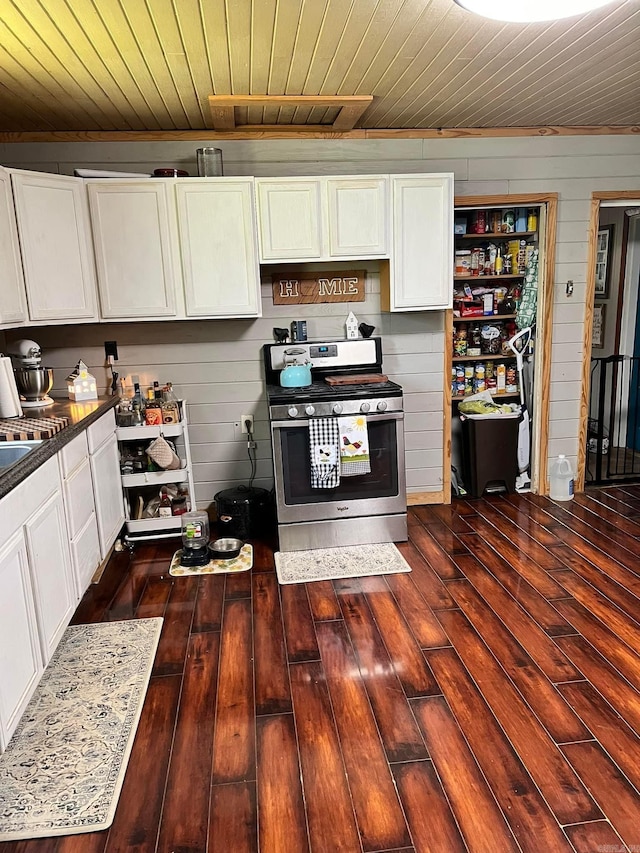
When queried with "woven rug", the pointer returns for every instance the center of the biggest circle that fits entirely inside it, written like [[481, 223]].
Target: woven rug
[[63, 769], [323, 564], [242, 563]]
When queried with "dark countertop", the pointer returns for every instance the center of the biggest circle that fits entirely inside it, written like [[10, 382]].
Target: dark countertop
[[80, 415]]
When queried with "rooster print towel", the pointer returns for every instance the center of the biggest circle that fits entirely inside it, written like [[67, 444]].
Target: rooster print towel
[[323, 447], [354, 446]]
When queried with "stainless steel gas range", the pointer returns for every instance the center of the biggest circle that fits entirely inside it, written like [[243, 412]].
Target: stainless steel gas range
[[338, 449]]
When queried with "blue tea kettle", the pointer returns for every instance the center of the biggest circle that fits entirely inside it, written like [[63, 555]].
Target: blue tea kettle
[[296, 373]]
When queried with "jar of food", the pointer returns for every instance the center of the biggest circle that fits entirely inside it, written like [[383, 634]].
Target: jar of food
[[509, 221], [474, 341], [490, 336], [463, 261], [460, 340]]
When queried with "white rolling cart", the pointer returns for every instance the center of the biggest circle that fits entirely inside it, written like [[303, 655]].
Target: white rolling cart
[[148, 483]]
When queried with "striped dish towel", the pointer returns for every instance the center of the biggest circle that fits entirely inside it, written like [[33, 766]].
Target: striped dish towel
[[354, 446], [325, 459]]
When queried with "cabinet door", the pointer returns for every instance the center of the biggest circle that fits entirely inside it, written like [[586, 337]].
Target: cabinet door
[[57, 255], [289, 219], [51, 572], [219, 254], [20, 659], [13, 302], [422, 257], [358, 217], [132, 236], [107, 491]]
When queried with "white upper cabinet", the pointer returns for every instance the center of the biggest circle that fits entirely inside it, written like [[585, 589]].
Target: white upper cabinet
[[289, 219], [320, 219], [13, 301], [358, 214], [132, 236], [216, 220], [421, 265], [55, 239]]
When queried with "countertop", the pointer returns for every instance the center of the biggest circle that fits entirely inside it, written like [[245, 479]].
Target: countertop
[[81, 415]]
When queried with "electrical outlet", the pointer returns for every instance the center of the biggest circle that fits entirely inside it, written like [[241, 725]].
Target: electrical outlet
[[243, 421], [111, 349]]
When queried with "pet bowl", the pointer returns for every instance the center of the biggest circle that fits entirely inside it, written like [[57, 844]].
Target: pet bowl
[[225, 549]]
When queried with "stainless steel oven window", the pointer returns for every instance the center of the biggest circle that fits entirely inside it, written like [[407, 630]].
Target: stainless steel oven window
[[381, 492]]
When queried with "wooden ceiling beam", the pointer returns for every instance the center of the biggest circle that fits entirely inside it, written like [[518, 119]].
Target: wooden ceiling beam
[[351, 108]]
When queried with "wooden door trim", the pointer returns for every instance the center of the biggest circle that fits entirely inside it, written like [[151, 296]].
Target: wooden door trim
[[583, 426], [543, 341]]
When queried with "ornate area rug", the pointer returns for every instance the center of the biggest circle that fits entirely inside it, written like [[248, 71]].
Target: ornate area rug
[[63, 769], [323, 564], [242, 563]]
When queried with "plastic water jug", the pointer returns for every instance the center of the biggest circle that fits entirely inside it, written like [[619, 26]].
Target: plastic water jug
[[561, 479]]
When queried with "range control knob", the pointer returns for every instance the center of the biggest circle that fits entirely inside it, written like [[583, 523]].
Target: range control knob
[[293, 412], [310, 410], [382, 405], [364, 407], [337, 408]]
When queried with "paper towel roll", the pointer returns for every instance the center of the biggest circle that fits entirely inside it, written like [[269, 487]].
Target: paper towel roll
[[9, 398]]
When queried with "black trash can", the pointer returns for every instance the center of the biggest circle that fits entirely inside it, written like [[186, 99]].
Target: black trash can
[[490, 452], [243, 512]]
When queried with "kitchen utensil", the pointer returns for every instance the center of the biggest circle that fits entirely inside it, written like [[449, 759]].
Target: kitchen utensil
[[297, 373], [225, 549], [34, 381], [31, 429], [357, 379]]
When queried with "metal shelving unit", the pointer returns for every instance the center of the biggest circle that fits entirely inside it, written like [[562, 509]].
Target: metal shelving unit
[[145, 482]]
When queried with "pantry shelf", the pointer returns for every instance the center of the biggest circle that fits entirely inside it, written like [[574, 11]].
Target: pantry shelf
[[489, 278], [498, 235], [483, 357], [504, 396], [477, 318]]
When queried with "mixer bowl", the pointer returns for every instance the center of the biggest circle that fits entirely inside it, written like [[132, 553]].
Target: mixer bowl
[[34, 383]]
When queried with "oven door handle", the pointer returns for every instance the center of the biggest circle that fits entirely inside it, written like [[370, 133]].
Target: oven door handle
[[377, 416]]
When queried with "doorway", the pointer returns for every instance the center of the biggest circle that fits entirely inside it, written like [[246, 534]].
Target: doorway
[[609, 449]]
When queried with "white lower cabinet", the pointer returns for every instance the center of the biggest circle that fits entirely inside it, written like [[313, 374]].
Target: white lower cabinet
[[51, 572], [20, 657], [77, 484], [107, 491], [36, 578]]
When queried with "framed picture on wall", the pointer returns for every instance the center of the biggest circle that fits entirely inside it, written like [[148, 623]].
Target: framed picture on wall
[[599, 314], [604, 244]]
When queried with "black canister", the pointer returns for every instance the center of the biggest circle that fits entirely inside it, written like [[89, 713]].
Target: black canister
[[243, 512]]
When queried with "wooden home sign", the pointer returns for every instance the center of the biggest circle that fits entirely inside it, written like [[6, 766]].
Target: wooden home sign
[[306, 288]]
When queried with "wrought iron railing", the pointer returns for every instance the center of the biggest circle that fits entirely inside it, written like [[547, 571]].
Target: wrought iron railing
[[613, 451]]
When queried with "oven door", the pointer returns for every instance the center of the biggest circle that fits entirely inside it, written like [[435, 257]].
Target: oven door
[[381, 492]]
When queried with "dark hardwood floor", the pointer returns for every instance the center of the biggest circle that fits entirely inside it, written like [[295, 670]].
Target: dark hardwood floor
[[487, 701]]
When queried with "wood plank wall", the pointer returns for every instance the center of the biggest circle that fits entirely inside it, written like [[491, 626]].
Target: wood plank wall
[[216, 363]]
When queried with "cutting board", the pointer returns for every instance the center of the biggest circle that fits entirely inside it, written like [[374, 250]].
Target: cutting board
[[356, 379], [30, 429]]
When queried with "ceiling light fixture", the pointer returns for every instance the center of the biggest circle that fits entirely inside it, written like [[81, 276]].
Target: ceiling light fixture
[[530, 11]]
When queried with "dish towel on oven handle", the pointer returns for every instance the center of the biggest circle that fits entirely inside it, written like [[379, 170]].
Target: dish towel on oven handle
[[354, 445], [325, 453]]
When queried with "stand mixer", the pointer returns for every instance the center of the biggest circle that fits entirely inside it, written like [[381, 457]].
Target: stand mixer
[[34, 381]]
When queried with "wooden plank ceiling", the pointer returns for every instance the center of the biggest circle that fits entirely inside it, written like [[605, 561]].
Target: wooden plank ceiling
[[151, 65]]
